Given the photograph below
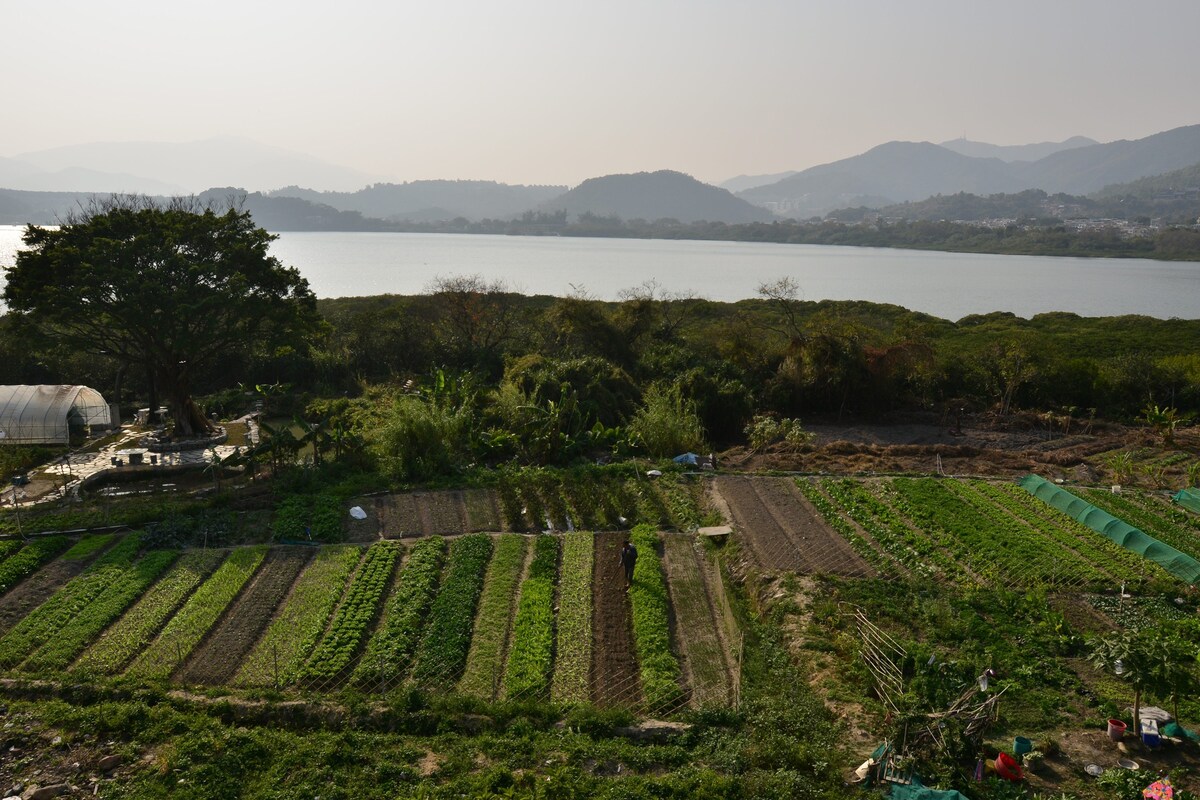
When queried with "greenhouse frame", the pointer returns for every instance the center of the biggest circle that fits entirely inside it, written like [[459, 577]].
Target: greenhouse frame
[[49, 414]]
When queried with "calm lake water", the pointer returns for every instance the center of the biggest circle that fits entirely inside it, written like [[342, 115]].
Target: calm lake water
[[948, 285]]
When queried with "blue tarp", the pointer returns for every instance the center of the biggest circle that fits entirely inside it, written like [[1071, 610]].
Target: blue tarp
[[687, 458]]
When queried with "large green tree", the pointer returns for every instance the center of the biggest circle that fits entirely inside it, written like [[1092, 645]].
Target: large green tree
[[172, 289]]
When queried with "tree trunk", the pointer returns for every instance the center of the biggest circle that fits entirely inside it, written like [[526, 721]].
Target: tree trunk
[[152, 380], [188, 419]]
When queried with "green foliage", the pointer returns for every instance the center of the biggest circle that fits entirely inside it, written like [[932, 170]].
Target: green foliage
[[48, 620], [308, 517], [18, 566], [201, 611], [415, 440], [357, 611], [651, 630], [485, 660], [292, 635], [443, 651], [393, 646], [527, 673], [136, 629], [574, 663], [72, 637], [89, 282], [666, 424]]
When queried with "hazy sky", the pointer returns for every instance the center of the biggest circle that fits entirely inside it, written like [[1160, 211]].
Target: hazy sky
[[526, 91]]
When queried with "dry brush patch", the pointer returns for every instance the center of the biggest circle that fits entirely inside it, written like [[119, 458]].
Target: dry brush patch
[[291, 637]]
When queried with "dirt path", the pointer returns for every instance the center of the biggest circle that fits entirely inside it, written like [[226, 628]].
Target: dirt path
[[38, 587], [784, 532], [218, 657], [615, 676], [705, 658]]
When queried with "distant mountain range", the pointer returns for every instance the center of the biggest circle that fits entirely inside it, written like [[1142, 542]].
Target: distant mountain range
[[906, 171], [1015, 152], [887, 175], [432, 201], [171, 167], [656, 195]]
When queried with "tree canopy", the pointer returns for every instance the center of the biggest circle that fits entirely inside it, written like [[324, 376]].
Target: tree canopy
[[171, 289]]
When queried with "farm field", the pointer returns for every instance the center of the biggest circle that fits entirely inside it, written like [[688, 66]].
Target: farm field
[[500, 616], [519, 615]]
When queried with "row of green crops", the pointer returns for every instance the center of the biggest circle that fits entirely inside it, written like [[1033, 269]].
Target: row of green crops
[[695, 622], [279, 655], [134, 631], [308, 517], [1154, 524], [392, 648], [8, 547], [45, 621], [573, 666], [529, 659], [1121, 564], [589, 500], [28, 559], [898, 539], [996, 547], [443, 651], [1032, 559], [650, 608], [71, 639], [828, 510], [89, 546], [354, 616], [197, 615], [485, 659]]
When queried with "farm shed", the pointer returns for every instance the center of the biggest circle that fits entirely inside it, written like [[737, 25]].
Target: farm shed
[[48, 414]]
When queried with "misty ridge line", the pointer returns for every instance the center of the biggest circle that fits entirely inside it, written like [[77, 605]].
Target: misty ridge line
[[884, 177]]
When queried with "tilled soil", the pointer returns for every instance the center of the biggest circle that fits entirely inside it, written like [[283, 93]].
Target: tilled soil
[[443, 511], [398, 516], [705, 657], [37, 588], [784, 531], [218, 657], [482, 510], [615, 676]]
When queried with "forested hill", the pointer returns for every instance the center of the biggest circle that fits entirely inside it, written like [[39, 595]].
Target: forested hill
[[432, 200], [908, 171], [656, 195]]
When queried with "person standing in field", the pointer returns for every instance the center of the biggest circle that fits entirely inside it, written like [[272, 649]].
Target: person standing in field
[[629, 556]]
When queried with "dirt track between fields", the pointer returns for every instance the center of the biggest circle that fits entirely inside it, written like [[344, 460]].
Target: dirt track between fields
[[615, 676], [784, 532], [220, 655]]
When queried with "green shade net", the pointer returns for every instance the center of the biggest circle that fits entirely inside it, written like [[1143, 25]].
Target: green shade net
[[916, 791], [1178, 564], [1189, 499]]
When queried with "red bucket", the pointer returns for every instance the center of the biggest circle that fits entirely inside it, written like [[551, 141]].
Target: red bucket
[[1116, 730]]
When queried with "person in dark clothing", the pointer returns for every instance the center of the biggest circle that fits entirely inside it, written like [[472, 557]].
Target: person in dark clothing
[[628, 561]]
